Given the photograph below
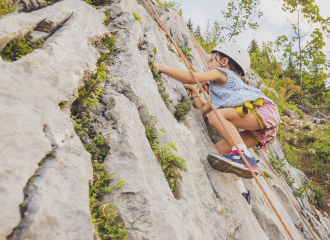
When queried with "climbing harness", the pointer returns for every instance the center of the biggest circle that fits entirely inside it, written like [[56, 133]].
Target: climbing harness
[[152, 10]]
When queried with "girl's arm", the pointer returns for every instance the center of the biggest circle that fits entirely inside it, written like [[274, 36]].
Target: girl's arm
[[198, 102], [184, 76]]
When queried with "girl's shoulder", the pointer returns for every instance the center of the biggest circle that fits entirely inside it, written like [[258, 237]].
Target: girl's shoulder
[[232, 76]]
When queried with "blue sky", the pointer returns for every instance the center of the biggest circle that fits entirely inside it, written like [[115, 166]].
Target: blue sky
[[272, 24]]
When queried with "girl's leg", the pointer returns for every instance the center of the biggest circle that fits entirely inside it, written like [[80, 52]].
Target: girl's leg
[[223, 148], [233, 122]]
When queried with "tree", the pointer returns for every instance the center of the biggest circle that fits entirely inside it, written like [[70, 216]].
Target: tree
[[239, 17], [210, 38], [254, 47], [198, 31], [310, 53], [190, 25]]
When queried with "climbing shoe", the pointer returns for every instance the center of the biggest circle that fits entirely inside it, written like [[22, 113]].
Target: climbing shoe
[[233, 163], [247, 196]]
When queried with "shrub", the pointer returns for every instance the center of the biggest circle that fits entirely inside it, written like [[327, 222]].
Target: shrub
[[185, 51], [90, 94], [290, 181], [319, 194], [302, 191], [182, 109], [278, 166], [169, 162], [105, 216], [18, 48], [5, 8], [137, 16]]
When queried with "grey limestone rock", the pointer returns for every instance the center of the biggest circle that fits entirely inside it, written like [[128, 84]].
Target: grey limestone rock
[[51, 201], [55, 202]]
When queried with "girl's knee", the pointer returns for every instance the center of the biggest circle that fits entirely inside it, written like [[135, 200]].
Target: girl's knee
[[213, 119]]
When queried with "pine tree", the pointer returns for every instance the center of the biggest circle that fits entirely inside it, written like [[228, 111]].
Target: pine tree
[[190, 25], [198, 31], [254, 47]]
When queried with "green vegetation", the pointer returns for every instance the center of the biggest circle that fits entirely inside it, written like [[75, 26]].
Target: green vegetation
[[182, 108], [302, 191], [293, 155], [290, 181], [185, 51], [48, 156], [90, 94], [267, 174], [155, 51], [169, 162], [5, 8], [174, 5], [18, 48], [319, 194], [239, 16], [160, 83], [278, 166], [211, 36], [137, 16], [105, 215], [96, 3], [106, 19]]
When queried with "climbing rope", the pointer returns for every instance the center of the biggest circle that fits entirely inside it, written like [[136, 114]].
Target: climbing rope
[[202, 55], [191, 69], [287, 193]]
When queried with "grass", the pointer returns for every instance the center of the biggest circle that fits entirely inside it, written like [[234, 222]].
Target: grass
[[169, 162], [18, 48], [137, 16], [5, 8]]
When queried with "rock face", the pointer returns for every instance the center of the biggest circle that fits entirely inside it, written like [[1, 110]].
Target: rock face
[[51, 201]]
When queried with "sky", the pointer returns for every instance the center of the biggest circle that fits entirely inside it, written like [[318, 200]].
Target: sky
[[272, 24]]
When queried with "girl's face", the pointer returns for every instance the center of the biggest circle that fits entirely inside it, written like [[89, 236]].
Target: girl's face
[[213, 63]]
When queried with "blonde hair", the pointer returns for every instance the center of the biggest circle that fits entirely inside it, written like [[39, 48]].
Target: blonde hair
[[235, 68]]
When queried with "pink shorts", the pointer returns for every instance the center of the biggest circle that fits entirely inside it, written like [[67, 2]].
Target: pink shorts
[[270, 117]]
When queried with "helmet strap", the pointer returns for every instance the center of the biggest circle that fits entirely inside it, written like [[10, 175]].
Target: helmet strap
[[216, 58]]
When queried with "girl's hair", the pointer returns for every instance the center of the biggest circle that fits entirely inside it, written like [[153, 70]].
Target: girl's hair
[[235, 68]]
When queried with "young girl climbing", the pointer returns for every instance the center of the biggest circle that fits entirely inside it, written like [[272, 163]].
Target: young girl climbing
[[240, 105]]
